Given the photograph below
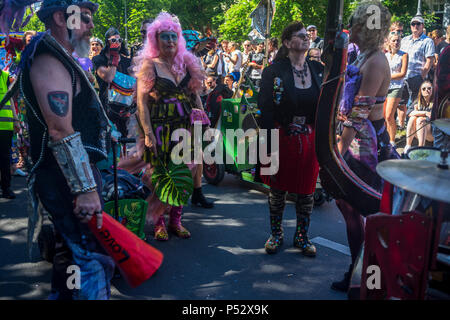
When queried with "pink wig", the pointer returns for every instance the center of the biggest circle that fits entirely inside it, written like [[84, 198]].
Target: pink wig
[[183, 61]]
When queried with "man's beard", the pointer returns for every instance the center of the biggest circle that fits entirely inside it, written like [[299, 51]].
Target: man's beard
[[80, 46]]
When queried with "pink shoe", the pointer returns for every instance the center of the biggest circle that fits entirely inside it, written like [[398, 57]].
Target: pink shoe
[[160, 230], [175, 223]]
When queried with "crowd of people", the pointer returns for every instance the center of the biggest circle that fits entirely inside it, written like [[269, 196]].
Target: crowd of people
[[77, 86]]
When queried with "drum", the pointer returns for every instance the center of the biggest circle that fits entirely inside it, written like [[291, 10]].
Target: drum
[[424, 153]]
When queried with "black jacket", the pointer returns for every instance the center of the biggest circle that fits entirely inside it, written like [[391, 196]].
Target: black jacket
[[283, 70]]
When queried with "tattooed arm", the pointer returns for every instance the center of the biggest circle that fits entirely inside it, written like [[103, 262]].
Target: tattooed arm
[[52, 85]]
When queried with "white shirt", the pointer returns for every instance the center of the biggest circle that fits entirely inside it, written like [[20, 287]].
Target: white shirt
[[395, 64], [237, 66]]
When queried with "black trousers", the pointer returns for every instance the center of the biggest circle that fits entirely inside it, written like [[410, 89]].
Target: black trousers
[[5, 158]]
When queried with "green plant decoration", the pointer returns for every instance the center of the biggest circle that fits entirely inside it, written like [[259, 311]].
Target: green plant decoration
[[174, 184]]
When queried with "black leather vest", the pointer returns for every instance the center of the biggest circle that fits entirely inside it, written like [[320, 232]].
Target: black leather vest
[[88, 116]]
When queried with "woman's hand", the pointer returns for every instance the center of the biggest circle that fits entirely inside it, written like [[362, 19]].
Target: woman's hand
[[150, 142]]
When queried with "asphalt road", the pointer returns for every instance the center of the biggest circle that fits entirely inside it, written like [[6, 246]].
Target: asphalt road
[[224, 259]]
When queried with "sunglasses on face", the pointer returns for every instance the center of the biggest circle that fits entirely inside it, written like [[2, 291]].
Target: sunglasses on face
[[85, 17], [397, 32], [167, 36], [303, 36], [114, 40], [427, 88], [415, 24], [312, 30]]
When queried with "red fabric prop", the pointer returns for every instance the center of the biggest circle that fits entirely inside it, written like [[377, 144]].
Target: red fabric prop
[[136, 259], [400, 246], [386, 199]]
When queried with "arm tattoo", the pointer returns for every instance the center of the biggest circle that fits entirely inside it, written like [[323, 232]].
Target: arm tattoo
[[59, 102]]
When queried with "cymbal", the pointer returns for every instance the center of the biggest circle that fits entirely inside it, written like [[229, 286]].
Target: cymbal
[[443, 125], [417, 176]]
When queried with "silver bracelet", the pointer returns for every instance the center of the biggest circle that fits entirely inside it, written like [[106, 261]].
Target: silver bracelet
[[73, 161]]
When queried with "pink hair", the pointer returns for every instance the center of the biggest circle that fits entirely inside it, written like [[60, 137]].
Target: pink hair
[[183, 61]]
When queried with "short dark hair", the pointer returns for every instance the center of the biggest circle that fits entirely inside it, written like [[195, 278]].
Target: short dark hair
[[145, 21], [287, 35]]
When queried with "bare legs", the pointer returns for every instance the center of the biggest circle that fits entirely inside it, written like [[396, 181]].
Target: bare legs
[[391, 107], [423, 134]]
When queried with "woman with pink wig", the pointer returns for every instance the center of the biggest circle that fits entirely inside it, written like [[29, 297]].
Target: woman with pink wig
[[169, 79]]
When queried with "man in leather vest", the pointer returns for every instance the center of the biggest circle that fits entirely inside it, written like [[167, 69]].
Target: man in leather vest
[[69, 130]]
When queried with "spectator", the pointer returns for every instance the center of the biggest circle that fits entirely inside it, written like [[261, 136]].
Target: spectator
[[314, 54], [228, 81], [419, 119], [420, 50], [439, 42], [235, 60], [214, 99], [96, 47], [247, 53], [108, 64], [27, 36], [222, 66], [7, 127], [211, 61], [273, 49], [315, 41], [257, 65], [398, 63], [143, 30]]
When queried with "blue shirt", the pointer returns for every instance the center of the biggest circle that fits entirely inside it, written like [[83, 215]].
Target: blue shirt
[[418, 51]]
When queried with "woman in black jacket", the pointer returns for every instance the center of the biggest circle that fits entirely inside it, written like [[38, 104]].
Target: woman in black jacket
[[288, 98]]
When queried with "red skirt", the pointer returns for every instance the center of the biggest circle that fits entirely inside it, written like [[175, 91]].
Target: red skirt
[[298, 169]]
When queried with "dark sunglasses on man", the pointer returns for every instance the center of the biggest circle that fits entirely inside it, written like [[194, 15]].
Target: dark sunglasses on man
[[415, 24]]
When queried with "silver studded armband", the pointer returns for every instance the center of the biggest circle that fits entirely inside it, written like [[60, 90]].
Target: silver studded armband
[[73, 160]]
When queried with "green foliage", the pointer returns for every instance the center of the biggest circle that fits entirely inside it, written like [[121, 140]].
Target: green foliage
[[237, 23], [34, 23], [229, 19], [173, 185]]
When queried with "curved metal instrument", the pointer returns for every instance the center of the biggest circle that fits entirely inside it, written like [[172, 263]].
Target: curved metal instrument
[[443, 125], [418, 176], [336, 177]]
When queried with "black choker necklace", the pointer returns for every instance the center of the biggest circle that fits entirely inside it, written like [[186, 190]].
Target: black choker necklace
[[301, 73]]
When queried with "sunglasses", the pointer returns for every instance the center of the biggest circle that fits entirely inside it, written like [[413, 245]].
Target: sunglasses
[[85, 17], [427, 88], [114, 40], [167, 36], [303, 36], [415, 24], [396, 32]]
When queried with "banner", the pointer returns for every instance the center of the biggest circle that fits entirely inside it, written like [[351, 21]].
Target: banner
[[259, 16], [7, 58]]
